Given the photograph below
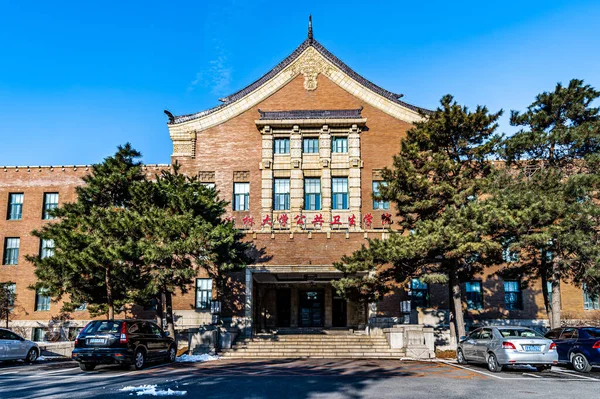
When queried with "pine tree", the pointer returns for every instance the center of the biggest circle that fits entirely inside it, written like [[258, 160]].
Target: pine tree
[[96, 256], [547, 196], [435, 183], [182, 229]]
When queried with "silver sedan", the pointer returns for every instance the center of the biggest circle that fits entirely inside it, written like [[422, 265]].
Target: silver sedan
[[499, 346], [14, 347]]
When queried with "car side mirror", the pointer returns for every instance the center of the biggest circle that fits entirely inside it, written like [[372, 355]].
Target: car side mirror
[[463, 338], [166, 333]]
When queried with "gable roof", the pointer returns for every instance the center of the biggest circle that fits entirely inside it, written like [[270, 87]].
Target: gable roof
[[308, 43]]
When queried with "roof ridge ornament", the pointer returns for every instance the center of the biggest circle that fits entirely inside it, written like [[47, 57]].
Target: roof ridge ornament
[[310, 30]]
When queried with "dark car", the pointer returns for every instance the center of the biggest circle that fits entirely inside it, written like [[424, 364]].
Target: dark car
[[127, 342], [577, 346]]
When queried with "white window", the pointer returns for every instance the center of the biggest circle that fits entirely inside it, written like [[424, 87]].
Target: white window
[[310, 145], [203, 293], [241, 196], [312, 194], [47, 248], [379, 204], [15, 206], [282, 194], [339, 189], [42, 300], [50, 202], [590, 301], [11, 250], [281, 146], [339, 144]]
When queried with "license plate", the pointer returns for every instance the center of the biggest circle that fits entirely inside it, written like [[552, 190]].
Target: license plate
[[96, 340], [532, 348]]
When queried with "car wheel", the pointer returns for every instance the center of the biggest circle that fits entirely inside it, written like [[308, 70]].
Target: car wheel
[[492, 364], [32, 355], [139, 360], [580, 363], [460, 357], [172, 354], [87, 366]]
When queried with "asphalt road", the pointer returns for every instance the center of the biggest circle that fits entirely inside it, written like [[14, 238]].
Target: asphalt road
[[293, 379]]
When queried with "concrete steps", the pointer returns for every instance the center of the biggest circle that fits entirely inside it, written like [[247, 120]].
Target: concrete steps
[[314, 346]]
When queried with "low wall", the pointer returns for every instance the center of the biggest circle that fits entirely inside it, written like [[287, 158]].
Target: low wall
[[56, 349], [416, 340]]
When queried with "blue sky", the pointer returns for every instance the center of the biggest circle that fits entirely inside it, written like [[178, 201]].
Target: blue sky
[[77, 78]]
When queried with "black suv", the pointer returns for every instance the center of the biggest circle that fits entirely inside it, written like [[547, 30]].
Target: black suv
[[131, 342]]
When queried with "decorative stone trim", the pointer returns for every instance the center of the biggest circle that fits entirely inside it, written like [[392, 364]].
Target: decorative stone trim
[[241, 176], [206, 176]]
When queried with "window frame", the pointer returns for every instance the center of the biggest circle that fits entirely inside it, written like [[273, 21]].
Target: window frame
[[476, 304], [518, 303], [48, 206], [311, 197], [241, 198], [310, 141], [589, 302], [42, 301], [11, 254], [423, 290], [336, 200], [205, 300], [281, 200], [379, 204], [339, 145], [278, 149], [46, 250], [14, 209]]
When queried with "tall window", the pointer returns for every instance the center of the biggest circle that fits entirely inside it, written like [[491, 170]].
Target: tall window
[[419, 293], [281, 146], [42, 300], [513, 298], [339, 189], [50, 202], [15, 206], [312, 194], [212, 186], [282, 194], [310, 145], [508, 254], [46, 248], [378, 204], [474, 295], [339, 144], [11, 250], [241, 196], [590, 300], [203, 293]]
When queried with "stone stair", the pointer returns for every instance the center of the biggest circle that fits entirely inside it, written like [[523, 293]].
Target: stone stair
[[324, 346]]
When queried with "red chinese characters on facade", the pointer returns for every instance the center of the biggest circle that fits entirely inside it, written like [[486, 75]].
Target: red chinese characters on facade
[[248, 221], [368, 220], [267, 221], [318, 220], [352, 221], [283, 219], [336, 220], [300, 220], [386, 219]]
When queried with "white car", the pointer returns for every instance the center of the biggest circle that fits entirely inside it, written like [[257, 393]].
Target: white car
[[14, 347]]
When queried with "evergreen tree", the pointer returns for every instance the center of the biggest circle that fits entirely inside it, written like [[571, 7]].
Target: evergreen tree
[[7, 301], [96, 256], [547, 196], [435, 183], [182, 229]]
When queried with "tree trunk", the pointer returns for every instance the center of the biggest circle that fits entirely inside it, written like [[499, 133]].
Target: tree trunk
[[456, 297], [545, 294], [555, 295], [169, 314], [109, 297]]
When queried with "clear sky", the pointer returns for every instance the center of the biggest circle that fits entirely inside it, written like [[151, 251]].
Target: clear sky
[[77, 78]]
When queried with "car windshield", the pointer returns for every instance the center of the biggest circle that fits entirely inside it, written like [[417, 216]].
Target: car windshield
[[593, 332], [102, 327], [519, 333]]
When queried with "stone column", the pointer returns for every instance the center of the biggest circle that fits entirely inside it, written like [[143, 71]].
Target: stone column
[[267, 175], [248, 304], [294, 309], [354, 178], [328, 307], [325, 159], [296, 175]]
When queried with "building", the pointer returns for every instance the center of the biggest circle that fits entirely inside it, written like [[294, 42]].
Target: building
[[298, 152]]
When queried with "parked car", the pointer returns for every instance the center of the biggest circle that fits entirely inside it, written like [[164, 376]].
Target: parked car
[[15, 347], [499, 346], [577, 346], [127, 342]]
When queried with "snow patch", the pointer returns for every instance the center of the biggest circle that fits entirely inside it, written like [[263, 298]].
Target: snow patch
[[196, 358], [152, 391]]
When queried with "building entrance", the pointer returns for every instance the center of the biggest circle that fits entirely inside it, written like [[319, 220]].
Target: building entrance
[[311, 308], [338, 314]]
